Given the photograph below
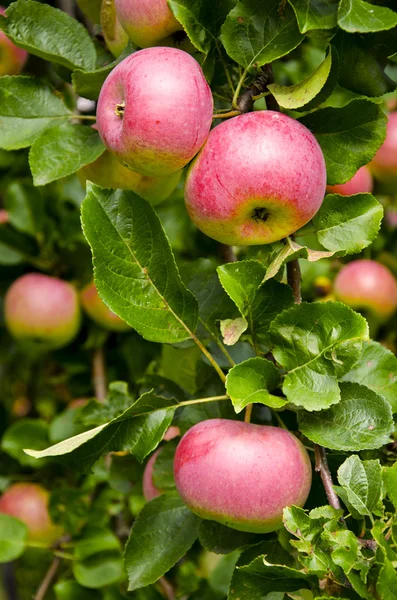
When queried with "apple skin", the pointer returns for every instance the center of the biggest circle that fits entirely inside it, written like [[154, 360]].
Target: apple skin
[[155, 111], [4, 216], [146, 22], [115, 37], [12, 58], [99, 312], [150, 491], [258, 162], [29, 503], [42, 311], [241, 475], [384, 164], [369, 285], [360, 183]]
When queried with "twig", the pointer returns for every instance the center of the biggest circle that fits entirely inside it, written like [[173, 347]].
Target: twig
[[294, 279], [321, 466], [48, 578], [167, 588], [9, 579], [99, 374], [248, 412], [258, 89]]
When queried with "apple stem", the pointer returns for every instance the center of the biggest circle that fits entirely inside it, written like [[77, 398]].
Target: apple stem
[[258, 89], [248, 412], [227, 115], [99, 374], [48, 578], [321, 466]]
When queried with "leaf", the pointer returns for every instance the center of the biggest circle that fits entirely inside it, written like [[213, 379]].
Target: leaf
[[163, 472], [63, 150], [390, 481], [25, 207], [348, 226], [359, 16], [27, 107], [15, 248], [161, 535], [376, 368], [71, 590], [287, 250], [232, 330], [135, 271], [257, 32], [98, 560], [181, 365], [361, 421], [13, 537], [220, 539], [49, 33], [33, 432], [88, 83], [316, 344], [315, 14], [251, 381], [386, 585], [362, 481], [349, 136]]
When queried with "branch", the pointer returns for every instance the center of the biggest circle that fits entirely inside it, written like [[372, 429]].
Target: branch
[[99, 374], [258, 87], [294, 279], [167, 588], [48, 578], [321, 467]]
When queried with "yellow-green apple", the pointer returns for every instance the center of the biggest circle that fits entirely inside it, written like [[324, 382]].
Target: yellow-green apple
[[260, 177], [360, 183], [12, 58], [155, 111], [240, 474], [97, 310], [384, 163], [367, 285], [42, 311], [150, 491], [115, 37], [28, 502], [147, 22]]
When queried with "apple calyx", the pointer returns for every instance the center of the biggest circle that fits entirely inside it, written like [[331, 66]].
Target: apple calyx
[[260, 214], [119, 109]]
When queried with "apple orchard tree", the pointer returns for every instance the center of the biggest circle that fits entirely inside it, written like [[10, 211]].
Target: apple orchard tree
[[198, 250]]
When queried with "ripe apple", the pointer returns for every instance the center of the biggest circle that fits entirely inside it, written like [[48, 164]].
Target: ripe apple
[[115, 37], [367, 285], [147, 22], [12, 58], [240, 474], [4, 216], [260, 177], [360, 183], [29, 503], [42, 311], [384, 163], [155, 110], [99, 312], [150, 491]]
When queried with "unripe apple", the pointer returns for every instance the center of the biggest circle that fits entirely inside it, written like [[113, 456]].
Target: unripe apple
[[360, 183], [240, 474], [260, 177], [367, 285], [115, 37], [42, 311], [29, 503], [155, 110], [147, 22], [384, 163], [99, 312], [150, 491], [12, 58]]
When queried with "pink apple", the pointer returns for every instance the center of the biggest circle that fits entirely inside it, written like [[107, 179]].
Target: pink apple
[[99, 312], [384, 163], [12, 58], [260, 177], [115, 37], [147, 22], [155, 110], [4, 216], [240, 474], [29, 503], [360, 183], [368, 285], [42, 310], [150, 491]]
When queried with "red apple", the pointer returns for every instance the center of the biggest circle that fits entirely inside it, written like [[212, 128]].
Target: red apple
[[29, 503], [240, 474], [115, 37], [42, 310], [155, 110], [384, 163], [12, 58], [360, 183], [4, 216], [150, 491], [147, 22], [366, 284], [260, 177], [99, 312]]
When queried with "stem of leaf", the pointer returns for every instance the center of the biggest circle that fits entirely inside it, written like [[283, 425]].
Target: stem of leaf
[[209, 357], [83, 117], [203, 400], [227, 115], [99, 374], [248, 412], [238, 89]]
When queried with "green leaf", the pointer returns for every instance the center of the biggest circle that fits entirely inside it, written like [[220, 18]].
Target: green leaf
[[390, 481], [220, 539], [135, 271], [13, 536], [32, 432], [348, 226], [257, 32], [376, 368], [88, 83], [98, 560], [181, 365], [359, 16], [386, 585], [315, 14], [25, 207], [251, 381], [284, 251], [63, 150], [349, 136], [161, 535], [15, 248], [362, 481], [49, 33], [27, 107], [163, 472], [361, 421], [316, 344], [71, 590]]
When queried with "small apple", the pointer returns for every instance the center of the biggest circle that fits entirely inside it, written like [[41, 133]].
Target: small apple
[[29, 503], [384, 163], [147, 22], [4, 216], [12, 58], [115, 37], [155, 111], [260, 177], [240, 474], [360, 183], [99, 312], [42, 311], [150, 491], [367, 285]]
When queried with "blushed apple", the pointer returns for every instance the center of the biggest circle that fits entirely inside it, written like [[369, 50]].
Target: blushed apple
[[4, 216], [240, 474], [115, 37], [12, 58], [155, 111], [99, 312], [384, 163], [147, 22], [360, 183], [259, 178], [150, 491]]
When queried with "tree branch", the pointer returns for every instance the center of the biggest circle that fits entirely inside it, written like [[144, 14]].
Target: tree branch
[[48, 578], [99, 374], [294, 279], [321, 467]]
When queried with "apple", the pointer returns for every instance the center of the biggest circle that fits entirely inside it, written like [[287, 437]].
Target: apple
[[150, 491], [384, 163], [367, 285], [240, 474], [29, 503], [99, 312], [115, 37], [42, 311], [12, 58], [4, 216], [360, 183], [260, 177], [155, 111], [147, 22]]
